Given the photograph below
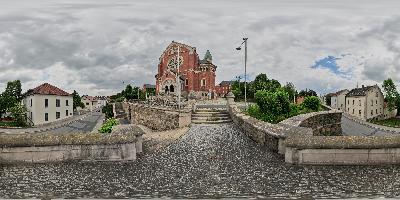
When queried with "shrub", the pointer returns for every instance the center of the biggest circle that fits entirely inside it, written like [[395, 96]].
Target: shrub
[[108, 110], [274, 103], [312, 103], [107, 126], [18, 112]]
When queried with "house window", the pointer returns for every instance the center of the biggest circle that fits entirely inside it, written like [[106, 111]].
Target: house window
[[376, 111], [372, 102], [46, 103], [348, 103], [87, 103], [376, 94], [353, 111], [348, 109], [376, 102], [46, 117], [31, 116], [353, 102], [203, 82], [58, 115], [57, 102], [31, 102], [359, 102], [372, 112], [186, 82], [359, 112], [66, 102], [66, 113]]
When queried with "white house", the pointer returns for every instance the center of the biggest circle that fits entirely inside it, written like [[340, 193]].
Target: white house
[[367, 103], [47, 103], [338, 100], [101, 101], [89, 102]]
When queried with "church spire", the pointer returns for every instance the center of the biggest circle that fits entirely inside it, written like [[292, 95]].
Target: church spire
[[208, 56]]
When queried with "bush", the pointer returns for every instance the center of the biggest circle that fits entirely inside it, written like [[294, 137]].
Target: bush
[[107, 126], [312, 103], [18, 112], [108, 110], [274, 103]]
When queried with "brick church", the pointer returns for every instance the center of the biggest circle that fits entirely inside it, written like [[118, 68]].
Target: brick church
[[197, 76]]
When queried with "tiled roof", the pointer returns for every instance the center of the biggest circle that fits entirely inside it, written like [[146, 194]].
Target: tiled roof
[[89, 98], [359, 91], [149, 86], [47, 89], [339, 92], [226, 83]]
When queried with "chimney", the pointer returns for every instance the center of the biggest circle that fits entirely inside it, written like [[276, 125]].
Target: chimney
[[362, 86]]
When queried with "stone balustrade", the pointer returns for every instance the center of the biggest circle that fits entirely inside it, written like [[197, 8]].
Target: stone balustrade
[[158, 118], [50, 147]]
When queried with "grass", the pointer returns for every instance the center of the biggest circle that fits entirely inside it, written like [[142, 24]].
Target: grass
[[9, 124], [391, 122]]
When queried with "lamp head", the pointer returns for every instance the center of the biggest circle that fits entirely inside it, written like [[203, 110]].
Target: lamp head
[[239, 48], [245, 39]]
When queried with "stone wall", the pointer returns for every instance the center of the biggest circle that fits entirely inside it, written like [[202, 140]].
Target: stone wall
[[273, 136], [40, 148], [324, 123], [157, 118], [343, 150]]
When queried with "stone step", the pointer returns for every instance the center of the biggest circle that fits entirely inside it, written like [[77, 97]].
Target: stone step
[[210, 110], [210, 114], [211, 122], [213, 112], [211, 118]]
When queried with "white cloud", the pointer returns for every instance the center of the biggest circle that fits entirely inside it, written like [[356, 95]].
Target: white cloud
[[92, 46]]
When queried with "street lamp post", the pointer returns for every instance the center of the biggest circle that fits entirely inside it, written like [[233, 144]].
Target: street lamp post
[[245, 68], [178, 81]]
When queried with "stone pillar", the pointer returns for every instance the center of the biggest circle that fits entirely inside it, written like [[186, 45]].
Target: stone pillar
[[230, 97]]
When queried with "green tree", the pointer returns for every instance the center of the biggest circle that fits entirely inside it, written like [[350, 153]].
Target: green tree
[[312, 103], [18, 112], [77, 101], [391, 95], [14, 89], [108, 110], [291, 91], [128, 93], [6, 102], [261, 82]]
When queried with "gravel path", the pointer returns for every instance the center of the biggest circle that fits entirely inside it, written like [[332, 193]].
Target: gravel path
[[209, 161]]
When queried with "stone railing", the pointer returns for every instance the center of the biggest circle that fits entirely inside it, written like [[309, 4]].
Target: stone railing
[[343, 150], [50, 147], [273, 136], [158, 118]]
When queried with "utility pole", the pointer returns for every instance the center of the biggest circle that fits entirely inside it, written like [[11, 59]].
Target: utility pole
[[178, 81]]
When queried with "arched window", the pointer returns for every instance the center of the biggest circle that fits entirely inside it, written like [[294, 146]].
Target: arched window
[[171, 88], [166, 89]]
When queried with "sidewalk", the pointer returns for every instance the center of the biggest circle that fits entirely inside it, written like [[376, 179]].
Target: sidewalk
[[371, 125], [43, 128]]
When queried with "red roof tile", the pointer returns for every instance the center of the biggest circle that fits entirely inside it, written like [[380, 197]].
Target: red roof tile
[[47, 89]]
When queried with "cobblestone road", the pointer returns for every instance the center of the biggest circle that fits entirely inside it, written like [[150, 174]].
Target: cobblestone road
[[350, 127], [84, 125], [210, 161]]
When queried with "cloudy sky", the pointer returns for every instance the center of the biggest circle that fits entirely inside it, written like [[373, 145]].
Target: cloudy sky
[[93, 45]]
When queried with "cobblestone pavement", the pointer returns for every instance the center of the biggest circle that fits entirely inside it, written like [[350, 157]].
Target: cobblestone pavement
[[84, 125], [209, 161], [350, 127]]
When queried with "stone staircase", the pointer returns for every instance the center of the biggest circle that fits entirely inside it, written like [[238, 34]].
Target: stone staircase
[[210, 116]]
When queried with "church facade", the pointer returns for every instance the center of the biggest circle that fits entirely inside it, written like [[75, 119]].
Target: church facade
[[197, 76]]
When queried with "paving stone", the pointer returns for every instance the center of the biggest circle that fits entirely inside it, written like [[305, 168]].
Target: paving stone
[[209, 161]]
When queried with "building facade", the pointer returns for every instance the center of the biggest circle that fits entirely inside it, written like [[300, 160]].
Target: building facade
[[338, 100], [223, 88], [367, 103], [47, 103], [197, 77], [89, 102]]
